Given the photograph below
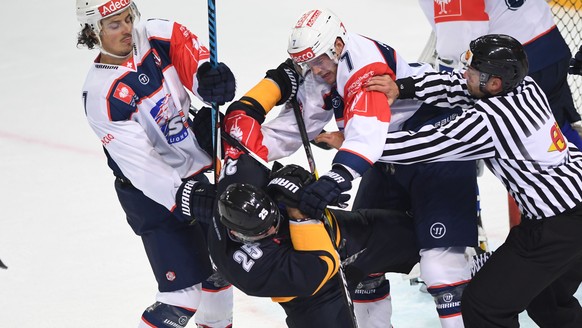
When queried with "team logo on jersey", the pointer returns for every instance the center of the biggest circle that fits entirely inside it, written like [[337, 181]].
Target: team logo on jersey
[[124, 93], [171, 275], [143, 79], [447, 7], [459, 10], [558, 141], [438, 230], [172, 127]]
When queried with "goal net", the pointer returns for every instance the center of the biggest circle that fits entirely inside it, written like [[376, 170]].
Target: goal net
[[568, 14]]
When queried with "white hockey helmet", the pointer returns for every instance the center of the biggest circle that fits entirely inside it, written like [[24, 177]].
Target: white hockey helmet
[[313, 35], [91, 12]]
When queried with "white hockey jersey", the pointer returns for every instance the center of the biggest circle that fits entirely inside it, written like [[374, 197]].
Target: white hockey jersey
[[457, 22], [365, 117], [139, 110]]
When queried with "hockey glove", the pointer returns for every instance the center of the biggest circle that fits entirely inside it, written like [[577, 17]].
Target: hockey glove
[[328, 190], [196, 201], [202, 129], [216, 84], [576, 63], [286, 78], [285, 184]]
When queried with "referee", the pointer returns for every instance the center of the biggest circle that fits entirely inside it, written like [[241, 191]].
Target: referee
[[508, 123]]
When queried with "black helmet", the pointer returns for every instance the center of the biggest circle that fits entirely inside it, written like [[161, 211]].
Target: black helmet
[[248, 211], [502, 56]]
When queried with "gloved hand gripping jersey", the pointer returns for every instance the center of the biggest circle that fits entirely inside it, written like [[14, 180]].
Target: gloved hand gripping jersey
[[195, 200], [328, 190], [286, 184]]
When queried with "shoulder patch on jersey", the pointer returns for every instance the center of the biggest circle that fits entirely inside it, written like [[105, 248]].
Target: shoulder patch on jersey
[[124, 93]]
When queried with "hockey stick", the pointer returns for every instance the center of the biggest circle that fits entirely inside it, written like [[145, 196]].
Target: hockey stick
[[2, 265], [327, 222], [428, 54], [215, 111]]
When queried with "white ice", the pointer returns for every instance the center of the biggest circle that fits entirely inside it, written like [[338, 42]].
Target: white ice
[[73, 260]]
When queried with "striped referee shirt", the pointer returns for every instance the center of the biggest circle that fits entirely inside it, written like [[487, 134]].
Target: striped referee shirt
[[515, 134]]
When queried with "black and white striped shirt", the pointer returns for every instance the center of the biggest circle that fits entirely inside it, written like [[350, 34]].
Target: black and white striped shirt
[[516, 135]]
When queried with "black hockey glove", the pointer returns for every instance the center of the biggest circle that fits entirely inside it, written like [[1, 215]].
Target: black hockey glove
[[328, 190], [286, 183], [216, 85], [286, 78], [202, 129], [196, 201], [576, 63]]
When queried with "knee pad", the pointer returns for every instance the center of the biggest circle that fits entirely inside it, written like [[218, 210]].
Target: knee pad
[[448, 299], [162, 315]]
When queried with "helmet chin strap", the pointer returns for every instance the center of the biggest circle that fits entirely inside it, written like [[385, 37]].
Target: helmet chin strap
[[105, 52], [483, 79]]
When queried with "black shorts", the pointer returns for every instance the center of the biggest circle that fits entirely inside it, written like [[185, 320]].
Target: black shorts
[[441, 197], [176, 251]]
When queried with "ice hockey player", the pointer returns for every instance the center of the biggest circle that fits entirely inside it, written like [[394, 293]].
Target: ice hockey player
[[136, 101], [508, 123], [267, 248], [442, 197]]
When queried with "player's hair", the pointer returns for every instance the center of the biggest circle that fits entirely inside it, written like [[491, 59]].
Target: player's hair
[[87, 38]]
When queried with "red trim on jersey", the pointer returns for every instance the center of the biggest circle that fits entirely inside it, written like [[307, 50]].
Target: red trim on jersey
[[248, 131], [540, 35], [460, 10], [357, 154], [360, 102], [186, 53]]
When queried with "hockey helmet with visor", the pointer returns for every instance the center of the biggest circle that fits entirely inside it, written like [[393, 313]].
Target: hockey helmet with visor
[[314, 35]]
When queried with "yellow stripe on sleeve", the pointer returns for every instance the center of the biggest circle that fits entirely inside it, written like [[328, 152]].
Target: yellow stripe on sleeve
[[266, 92]]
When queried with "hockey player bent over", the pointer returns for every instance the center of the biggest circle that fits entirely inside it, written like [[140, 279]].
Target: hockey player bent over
[[269, 249], [136, 101]]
